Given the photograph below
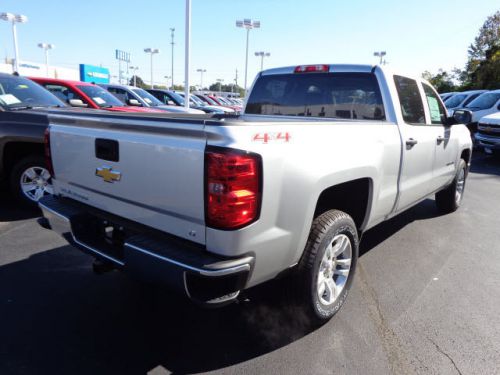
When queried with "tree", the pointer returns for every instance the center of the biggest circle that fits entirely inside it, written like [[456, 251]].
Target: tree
[[442, 81], [481, 52], [226, 88], [138, 80], [487, 73]]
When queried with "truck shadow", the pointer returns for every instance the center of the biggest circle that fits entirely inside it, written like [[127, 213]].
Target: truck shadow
[[58, 317], [10, 210], [484, 164]]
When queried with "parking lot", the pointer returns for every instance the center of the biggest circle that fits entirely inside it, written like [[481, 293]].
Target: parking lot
[[425, 300]]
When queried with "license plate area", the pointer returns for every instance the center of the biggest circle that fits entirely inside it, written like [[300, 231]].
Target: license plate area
[[100, 234]]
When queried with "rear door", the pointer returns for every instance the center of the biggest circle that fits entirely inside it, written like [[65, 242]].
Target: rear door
[[419, 144]]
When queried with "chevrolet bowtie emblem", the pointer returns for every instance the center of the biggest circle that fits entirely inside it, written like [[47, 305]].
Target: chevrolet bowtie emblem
[[108, 174]]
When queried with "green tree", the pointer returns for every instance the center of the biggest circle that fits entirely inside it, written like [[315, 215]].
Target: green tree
[[442, 81], [139, 82], [487, 73]]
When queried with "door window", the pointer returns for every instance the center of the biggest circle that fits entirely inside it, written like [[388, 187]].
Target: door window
[[412, 107], [436, 109], [62, 92]]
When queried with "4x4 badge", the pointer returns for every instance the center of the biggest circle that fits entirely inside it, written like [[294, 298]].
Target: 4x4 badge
[[108, 174]]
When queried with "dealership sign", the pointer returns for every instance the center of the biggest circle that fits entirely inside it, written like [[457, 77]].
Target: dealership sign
[[96, 74]]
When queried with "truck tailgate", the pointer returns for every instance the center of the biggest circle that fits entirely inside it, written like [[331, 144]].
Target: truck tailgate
[[151, 172]]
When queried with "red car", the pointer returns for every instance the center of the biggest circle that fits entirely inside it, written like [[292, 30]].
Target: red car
[[87, 95], [223, 103]]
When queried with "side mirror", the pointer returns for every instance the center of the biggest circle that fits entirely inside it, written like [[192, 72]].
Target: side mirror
[[462, 116], [77, 103], [134, 102]]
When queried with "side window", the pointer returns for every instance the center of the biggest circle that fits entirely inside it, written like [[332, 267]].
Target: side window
[[119, 93], [412, 107], [62, 92], [436, 109]]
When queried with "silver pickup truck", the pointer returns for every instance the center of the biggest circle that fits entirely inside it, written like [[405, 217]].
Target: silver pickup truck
[[213, 206]]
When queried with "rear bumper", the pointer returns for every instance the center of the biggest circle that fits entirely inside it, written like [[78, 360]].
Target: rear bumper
[[182, 265]]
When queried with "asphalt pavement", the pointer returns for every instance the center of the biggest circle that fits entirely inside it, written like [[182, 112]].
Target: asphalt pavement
[[425, 300]]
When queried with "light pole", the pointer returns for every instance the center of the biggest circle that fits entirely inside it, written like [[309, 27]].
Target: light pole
[[46, 47], [172, 30], [380, 54], [14, 18], [151, 51], [187, 53], [262, 54], [135, 69], [220, 80], [247, 24], [201, 71]]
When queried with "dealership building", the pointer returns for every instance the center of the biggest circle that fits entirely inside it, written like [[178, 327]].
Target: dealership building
[[85, 72]]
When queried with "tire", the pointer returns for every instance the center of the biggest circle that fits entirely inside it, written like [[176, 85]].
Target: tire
[[449, 199], [313, 294], [30, 180]]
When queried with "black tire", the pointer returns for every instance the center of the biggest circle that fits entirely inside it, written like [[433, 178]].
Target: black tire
[[324, 229], [447, 200], [19, 168]]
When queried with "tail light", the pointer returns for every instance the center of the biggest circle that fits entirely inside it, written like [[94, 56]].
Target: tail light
[[233, 188], [312, 69], [48, 156]]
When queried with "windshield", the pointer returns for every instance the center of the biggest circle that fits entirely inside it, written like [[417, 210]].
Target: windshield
[[176, 97], [18, 93], [148, 98], [455, 100], [484, 101], [335, 95], [197, 101], [100, 96]]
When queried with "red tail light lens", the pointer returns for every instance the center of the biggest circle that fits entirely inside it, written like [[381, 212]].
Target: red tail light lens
[[48, 156], [312, 69], [233, 181]]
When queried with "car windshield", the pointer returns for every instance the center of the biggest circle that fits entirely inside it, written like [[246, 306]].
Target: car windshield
[[484, 101], [148, 98], [176, 97], [21, 93], [100, 96], [334, 95], [455, 100]]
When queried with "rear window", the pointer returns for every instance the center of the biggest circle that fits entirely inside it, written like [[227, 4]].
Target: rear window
[[335, 95]]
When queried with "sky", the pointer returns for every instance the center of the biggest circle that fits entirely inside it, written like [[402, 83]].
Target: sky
[[417, 36]]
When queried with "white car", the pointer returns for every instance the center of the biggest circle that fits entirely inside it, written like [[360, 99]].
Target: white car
[[461, 99], [485, 104], [488, 133]]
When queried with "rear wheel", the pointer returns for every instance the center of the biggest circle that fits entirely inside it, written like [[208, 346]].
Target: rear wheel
[[327, 268], [30, 180], [449, 199]]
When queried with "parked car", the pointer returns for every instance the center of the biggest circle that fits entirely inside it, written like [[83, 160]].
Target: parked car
[[135, 96], [222, 103], [445, 95], [461, 99], [195, 100], [171, 98], [86, 95], [485, 104], [488, 134], [23, 120], [321, 154]]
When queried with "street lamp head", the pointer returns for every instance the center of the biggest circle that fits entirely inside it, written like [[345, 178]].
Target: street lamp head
[[239, 23], [201, 70], [151, 50], [383, 53], [7, 16], [247, 22], [268, 54], [21, 19], [46, 46], [256, 24]]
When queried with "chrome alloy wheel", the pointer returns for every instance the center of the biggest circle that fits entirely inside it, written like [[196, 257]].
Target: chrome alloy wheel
[[35, 183], [334, 269], [459, 191]]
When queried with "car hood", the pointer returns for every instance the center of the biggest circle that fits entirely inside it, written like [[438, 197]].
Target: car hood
[[132, 109]]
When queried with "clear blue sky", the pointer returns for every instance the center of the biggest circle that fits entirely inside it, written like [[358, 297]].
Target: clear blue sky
[[418, 35]]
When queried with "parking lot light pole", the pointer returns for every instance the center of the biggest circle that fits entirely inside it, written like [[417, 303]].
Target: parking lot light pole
[[172, 30], [187, 53], [247, 24], [262, 54], [46, 47], [14, 18], [151, 51], [135, 69], [167, 78], [380, 54], [201, 71]]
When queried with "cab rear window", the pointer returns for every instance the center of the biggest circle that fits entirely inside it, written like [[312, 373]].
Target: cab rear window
[[332, 95]]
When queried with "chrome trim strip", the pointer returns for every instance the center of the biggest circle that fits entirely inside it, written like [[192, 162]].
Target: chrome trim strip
[[201, 271], [44, 207], [97, 251]]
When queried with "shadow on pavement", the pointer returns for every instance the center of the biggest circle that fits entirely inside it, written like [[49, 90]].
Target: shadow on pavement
[[485, 164], [10, 210]]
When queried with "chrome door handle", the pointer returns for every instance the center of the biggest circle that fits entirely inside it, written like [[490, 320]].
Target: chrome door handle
[[411, 142], [439, 139]]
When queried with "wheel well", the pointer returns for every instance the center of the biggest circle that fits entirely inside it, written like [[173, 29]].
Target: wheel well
[[15, 151], [466, 154], [350, 197]]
